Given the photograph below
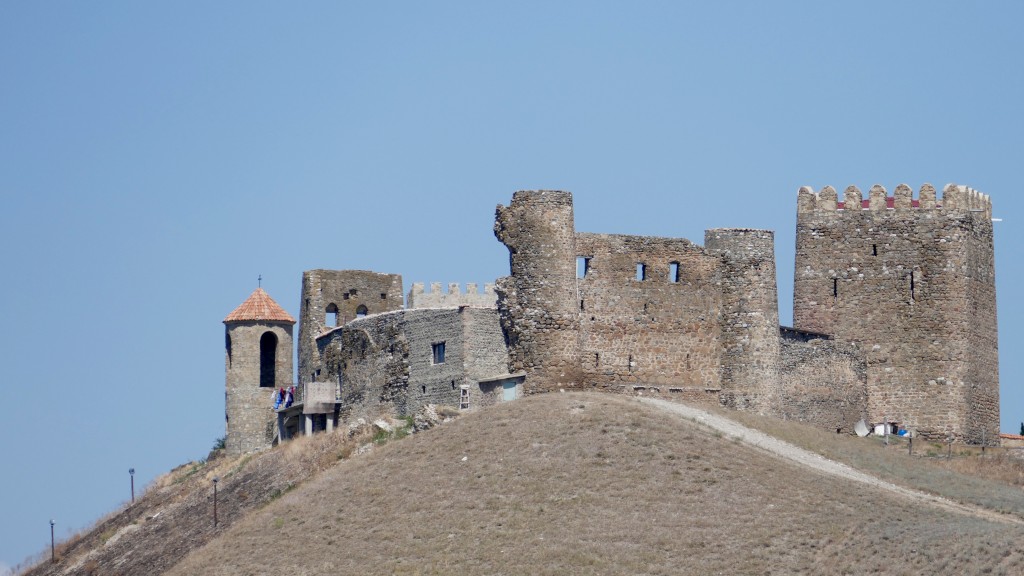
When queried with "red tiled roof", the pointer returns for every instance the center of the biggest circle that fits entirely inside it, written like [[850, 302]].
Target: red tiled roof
[[259, 306]]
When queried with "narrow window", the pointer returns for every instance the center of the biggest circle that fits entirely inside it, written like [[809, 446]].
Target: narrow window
[[332, 315], [835, 288], [874, 249], [641, 271], [912, 296], [360, 311], [597, 359], [268, 359], [464, 398], [424, 388], [438, 352], [581, 305], [631, 363], [453, 384], [673, 272], [582, 266]]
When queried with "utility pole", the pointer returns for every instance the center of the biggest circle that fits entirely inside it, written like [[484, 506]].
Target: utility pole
[[215, 480], [131, 473], [53, 553]]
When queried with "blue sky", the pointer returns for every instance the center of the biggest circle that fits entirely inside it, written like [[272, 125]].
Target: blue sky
[[156, 158]]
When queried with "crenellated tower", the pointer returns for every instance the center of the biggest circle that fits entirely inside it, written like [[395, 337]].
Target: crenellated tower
[[912, 282]]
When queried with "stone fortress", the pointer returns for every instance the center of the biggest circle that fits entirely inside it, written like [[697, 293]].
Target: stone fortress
[[894, 316]]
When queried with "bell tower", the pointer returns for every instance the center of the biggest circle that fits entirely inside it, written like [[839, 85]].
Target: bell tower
[[258, 360]]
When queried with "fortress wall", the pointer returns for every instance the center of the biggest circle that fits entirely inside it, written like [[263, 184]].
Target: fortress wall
[[385, 363], [823, 382], [537, 302], [749, 317], [453, 298], [912, 283], [347, 290], [660, 330]]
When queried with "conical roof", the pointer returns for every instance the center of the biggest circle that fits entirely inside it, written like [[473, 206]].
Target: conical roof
[[259, 306]]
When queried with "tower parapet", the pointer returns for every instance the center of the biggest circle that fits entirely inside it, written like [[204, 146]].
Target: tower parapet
[[453, 298], [912, 281]]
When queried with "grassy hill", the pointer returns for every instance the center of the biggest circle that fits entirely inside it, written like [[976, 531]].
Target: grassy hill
[[555, 484]]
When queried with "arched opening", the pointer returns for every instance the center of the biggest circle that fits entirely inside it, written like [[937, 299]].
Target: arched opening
[[361, 311], [268, 359], [332, 315]]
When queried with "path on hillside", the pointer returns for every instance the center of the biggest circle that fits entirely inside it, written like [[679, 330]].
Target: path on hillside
[[818, 462]]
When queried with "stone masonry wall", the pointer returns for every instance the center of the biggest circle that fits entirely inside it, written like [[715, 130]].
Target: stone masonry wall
[[749, 317], [912, 283], [537, 302], [656, 326], [249, 415], [823, 382], [453, 298], [385, 363], [347, 291]]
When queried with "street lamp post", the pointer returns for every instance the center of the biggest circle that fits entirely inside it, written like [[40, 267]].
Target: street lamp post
[[215, 480], [131, 473], [53, 553]]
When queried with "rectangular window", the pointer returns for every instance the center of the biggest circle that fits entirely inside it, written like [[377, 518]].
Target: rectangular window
[[641, 271], [438, 350], [582, 266], [673, 272], [464, 398]]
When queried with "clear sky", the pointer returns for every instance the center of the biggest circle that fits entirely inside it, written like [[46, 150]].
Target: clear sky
[[155, 158]]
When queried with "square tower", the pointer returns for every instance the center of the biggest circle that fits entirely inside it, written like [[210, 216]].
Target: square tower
[[912, 283]]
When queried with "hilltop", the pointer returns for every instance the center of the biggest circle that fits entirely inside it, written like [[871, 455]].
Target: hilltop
[[563, 483]]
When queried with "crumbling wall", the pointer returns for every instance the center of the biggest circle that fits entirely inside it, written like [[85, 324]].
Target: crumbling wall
[[648, 311], [823, 382], [347, 293], [911, 281], [537, 302], [453, 298]]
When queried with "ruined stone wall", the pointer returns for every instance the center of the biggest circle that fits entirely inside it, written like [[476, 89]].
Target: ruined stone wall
[[249, 415], [453, 298], [648, 312], [823, 382], [386, 363], [347, 291], [749, 317], [912, 283], [537, 302]]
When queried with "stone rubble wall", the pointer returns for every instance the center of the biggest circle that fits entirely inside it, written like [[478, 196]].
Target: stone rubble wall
[[347, 290], [823, 382], [654, 331]]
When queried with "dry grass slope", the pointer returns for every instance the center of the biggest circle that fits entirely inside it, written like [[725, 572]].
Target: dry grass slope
[[597, 484]]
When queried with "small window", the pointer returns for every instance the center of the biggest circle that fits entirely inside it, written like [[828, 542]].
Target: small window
[[835, 288], [438, 352], [582, 266], [673, 272], [383, 295], [344, 296], [354, 292], [361, 311], [423, 388], [464, 398], [912, 295], [874, 249], [453, 384], [331, 318], [641, 271]]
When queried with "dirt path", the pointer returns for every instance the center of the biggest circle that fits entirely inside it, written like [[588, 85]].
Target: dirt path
[[817, 462]]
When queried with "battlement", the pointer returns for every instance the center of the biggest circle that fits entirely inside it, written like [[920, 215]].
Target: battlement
[[453, 298], [954, 197]]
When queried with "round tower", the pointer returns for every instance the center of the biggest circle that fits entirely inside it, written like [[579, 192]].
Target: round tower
[[258, 360], [750, 316], [538, 302]]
